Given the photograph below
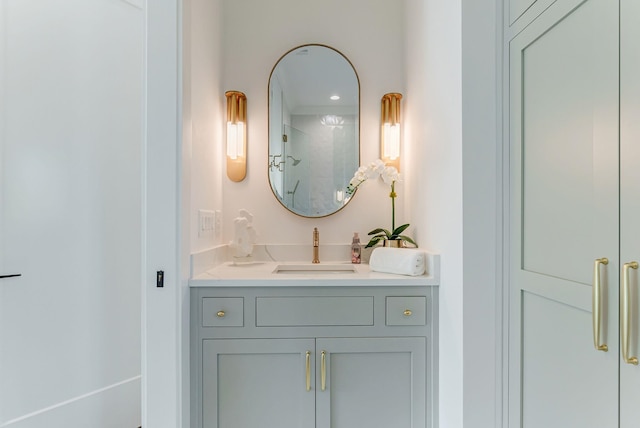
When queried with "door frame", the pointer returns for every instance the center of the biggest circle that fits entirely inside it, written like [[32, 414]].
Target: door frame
[[165, 333], [165, 380]]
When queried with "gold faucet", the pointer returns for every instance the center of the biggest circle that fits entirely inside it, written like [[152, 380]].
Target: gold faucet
[[316, 244]]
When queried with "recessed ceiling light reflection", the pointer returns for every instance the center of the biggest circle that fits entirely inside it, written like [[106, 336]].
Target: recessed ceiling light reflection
[[334, 97]]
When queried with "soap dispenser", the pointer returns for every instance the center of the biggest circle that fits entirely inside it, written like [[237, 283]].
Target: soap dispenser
[[356, 249]]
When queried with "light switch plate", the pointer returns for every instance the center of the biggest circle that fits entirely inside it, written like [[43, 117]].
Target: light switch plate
[[217, 223], [206, 223]]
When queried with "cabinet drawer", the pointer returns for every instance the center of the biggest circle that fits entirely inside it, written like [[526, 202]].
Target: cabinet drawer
[[313, 311], [407, 310], [222, 312]]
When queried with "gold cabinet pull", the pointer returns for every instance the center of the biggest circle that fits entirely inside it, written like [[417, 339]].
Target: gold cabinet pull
[[221, 314], [625, 315], [308, 369], [407, 312], [597, 304], [323, 370]]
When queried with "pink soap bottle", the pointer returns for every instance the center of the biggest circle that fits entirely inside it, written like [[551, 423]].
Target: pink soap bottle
[[356, 249]]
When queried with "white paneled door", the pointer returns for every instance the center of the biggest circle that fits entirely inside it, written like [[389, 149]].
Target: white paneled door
[[70, 213], [630, 206], [564, 223]]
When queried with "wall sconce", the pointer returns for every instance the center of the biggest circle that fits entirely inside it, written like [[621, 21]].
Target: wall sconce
[[390, 130], [236, 135]]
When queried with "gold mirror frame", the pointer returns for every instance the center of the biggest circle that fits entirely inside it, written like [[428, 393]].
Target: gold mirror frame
[[339, 123]]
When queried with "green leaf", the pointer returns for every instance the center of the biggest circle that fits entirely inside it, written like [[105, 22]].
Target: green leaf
[[374, 241], [380, 230], [409, 240], [400, 229]]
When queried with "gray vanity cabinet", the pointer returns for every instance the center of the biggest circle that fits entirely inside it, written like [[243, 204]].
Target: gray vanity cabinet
[[371, 382], [361, 357], [256, 383]]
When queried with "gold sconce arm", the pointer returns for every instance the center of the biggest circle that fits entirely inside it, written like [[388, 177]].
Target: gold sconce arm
[[390, 123], [236, 135]]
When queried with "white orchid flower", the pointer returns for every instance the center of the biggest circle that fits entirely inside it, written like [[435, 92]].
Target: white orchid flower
[[390, 175], [375, 168]]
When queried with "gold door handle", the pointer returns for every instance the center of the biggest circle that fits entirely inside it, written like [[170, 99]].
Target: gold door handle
[[221, 314], [323, 370], [407, 312], [597, 304], [308, 368], [625, 316]]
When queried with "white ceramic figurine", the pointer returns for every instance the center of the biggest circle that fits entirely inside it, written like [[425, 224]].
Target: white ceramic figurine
[[244, 235]]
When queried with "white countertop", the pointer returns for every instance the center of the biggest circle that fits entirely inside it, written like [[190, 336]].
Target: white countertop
[[261, 274]]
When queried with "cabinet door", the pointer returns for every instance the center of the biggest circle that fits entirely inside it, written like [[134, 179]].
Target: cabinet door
[[630, 200], [373, 383], [564, 216], [258, 383]]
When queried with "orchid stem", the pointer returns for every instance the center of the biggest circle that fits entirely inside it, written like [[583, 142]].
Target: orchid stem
[[393, 206]]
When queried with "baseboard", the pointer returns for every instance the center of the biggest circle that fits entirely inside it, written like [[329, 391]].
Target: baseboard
[[114, 406]]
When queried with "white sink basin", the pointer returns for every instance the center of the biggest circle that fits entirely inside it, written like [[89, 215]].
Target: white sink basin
[[314, 269]]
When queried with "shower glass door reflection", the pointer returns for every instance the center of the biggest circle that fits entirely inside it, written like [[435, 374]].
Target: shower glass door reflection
[[295, 170]]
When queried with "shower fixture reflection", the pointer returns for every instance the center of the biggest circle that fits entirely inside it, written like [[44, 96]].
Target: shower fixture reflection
[[279, 165], [295, 161], [293, 194]]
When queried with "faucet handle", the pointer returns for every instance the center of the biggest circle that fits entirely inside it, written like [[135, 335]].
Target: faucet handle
[[316, 244]]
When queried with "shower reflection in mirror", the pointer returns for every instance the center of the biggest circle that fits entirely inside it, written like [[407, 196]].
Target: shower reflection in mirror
[[291, 167], [314, 127], [275, 163]]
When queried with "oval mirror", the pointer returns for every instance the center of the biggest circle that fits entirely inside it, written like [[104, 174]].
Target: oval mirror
[[314, 138]]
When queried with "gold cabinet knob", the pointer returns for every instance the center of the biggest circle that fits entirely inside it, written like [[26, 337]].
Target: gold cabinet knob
[[221, 314], [407, 312]]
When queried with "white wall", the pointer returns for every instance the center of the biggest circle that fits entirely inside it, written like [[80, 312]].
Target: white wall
[[71, 199], [256, 34], [207, 110], [202, 173], [453, 78], [434, 125]]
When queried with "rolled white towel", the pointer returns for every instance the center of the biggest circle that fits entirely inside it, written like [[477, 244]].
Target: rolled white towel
[[401, 261]]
